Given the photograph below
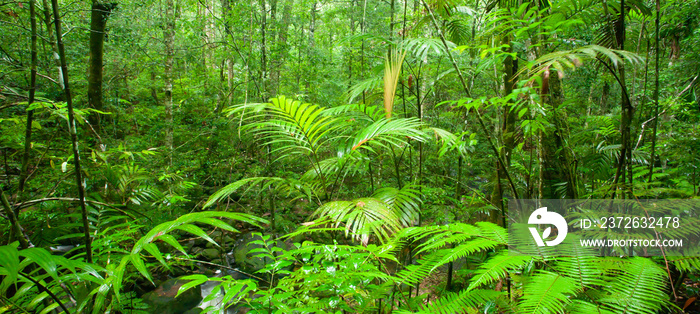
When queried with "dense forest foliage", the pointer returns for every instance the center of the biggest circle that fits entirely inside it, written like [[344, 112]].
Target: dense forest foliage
[[336, 156]]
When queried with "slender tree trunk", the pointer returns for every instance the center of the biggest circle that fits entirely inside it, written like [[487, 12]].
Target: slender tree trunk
[[32, 91], [625, 116], [16, 228], [312, 47], [652, 157], [169, 56], [559, 161], [482, 125], [72, 130], [54, 47], [98, 21], [226, 15], [263, 52], [507, 131], [282, 45]]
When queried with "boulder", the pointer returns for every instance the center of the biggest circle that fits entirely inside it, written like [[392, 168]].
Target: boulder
[[163, 300], [210, 254]]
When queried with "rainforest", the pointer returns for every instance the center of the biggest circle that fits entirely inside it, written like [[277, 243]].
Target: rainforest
[[349, 156]]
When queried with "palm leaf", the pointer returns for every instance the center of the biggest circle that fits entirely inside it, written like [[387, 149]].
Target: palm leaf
[[385, 132], [362, 218]]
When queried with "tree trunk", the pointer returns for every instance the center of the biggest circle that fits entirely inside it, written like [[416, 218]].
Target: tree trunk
[[263, 52], [280, 54], [72, 130], [169, 56], [54, 47], [32, 91], [507, 131], [559, 163], [624, 161], [16, 228], [652, 157], [98, 21]]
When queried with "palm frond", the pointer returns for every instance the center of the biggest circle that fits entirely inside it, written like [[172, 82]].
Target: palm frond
[[290, 126], [419, 48], [392, 69], [281, 184], [367, 86], [385, 132], [405, 202], [362, 217], [361, 112], [560, 60]]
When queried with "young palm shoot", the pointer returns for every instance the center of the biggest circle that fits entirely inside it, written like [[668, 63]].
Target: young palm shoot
[[392, 69]]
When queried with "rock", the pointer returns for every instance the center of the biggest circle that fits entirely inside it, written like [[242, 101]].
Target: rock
[[196, 250], [163, 300], [189, 245], [210, 254], [216, 235]]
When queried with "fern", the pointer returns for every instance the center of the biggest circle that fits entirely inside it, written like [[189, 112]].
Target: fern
[[547, 292], [497, 268], [462, 302], [582, 266], [638, 287]]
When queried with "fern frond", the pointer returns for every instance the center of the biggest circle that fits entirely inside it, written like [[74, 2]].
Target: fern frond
[[638, 286], [497, 268], [580, 264], [414, 273], [547, 292], [462, 302]]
